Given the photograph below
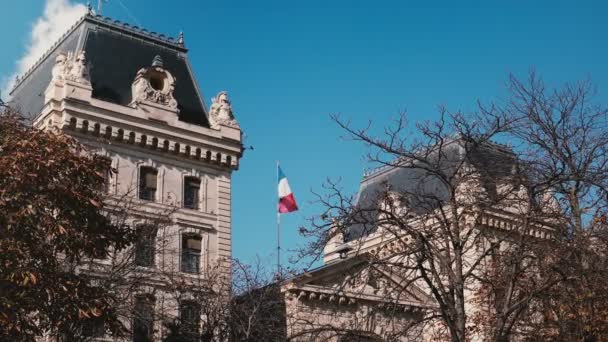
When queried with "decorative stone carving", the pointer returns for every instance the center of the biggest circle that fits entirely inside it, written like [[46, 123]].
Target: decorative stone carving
[[221, 111], [72, 67], [154, 84]]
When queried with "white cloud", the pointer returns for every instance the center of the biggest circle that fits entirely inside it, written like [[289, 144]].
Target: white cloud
[[57, 18]]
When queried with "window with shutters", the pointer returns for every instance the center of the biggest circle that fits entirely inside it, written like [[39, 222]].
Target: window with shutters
[[191, 253], [143, 319], [145, 246], [192, 186], [190, 319], [147, 183]]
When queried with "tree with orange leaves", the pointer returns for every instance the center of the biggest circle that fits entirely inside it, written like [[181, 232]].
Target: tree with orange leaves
[[51, 219]]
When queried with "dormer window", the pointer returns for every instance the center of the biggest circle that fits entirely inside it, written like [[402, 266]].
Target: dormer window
[[147, 183], [157, 81]]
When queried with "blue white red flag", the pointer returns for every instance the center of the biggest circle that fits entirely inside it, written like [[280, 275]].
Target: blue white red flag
[[287, 203]]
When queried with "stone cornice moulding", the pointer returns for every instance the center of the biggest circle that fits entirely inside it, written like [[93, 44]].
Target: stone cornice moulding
[[312, 292], [87, 126]]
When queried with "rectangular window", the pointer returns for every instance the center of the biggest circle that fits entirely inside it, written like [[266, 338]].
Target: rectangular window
[[143, 319], [191, 253], [190, 319], [147, 183], [145, 246], [107, 178], [192, 186], [93, 327]]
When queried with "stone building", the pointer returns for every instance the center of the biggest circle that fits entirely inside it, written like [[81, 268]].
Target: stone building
[[131, 95], [369, 288]]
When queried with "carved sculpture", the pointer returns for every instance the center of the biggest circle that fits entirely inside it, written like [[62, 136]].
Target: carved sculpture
[[154, 84], [221, 111], [71, 67]]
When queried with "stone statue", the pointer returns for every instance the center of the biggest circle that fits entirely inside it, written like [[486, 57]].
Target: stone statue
[[58, 71], [220, 112], [78, 70], [71, 67]]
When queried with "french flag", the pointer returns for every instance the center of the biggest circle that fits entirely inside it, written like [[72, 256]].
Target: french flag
[[287, 203]]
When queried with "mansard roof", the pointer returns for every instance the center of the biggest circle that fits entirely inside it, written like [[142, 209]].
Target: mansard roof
[[492, 161], [115, 51]]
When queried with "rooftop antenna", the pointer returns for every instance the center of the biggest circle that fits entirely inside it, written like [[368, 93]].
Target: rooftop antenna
[[100, 5]]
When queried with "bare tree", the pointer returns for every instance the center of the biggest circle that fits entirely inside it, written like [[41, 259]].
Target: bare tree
[[562, 138], [484, 228]]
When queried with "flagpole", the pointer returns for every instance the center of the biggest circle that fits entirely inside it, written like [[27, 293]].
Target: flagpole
[[278, 234]]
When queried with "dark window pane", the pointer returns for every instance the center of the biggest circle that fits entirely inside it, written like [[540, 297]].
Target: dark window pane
[[143, 319], [144, 247], [147, 183], [191, 253], [93, 328], [190, 319], [192, 187]]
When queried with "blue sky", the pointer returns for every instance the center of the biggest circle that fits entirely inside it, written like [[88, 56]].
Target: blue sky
[[289, 64]]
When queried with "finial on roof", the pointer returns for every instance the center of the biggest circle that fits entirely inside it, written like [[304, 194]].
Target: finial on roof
[[157, 61], [180, 38], [89, 8]]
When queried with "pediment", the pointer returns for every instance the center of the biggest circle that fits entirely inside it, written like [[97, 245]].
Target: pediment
[[358, 280]]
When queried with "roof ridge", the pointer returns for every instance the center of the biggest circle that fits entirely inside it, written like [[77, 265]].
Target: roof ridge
[[374, 171], [177, 42]]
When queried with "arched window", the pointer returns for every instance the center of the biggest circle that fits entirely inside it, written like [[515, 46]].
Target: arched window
[[144, 140], [121, 134], [218, 158], [208, 156], [73, 122], [198, 153], [108, 132], [229, 160], [154, 143], [187, 151], [96, 129], [85, 126], [166, 145], [132, 138], [176, 148]]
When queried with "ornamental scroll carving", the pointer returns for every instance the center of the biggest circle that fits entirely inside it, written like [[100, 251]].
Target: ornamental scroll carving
[[71, 67], [154, 84], [221, 111]]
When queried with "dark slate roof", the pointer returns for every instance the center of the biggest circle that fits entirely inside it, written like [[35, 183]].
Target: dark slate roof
[[115, 52], [421, 188]]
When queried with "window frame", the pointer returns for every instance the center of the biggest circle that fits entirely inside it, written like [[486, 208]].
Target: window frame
[[196, 203], [143, 317], [187, 265], [145, 246], [191, 325], [144, 192]]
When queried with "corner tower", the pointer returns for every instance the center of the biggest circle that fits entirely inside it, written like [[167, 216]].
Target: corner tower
[[130, 95]]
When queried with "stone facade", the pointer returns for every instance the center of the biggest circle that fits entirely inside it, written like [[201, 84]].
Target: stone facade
[[369, 284], [171, 164]]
